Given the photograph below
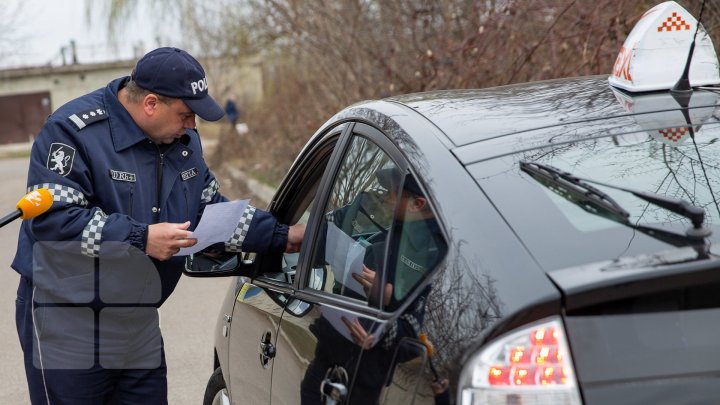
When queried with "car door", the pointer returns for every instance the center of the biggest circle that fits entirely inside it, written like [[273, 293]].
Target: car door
[[332, 342], [261, 300], [254, 321]]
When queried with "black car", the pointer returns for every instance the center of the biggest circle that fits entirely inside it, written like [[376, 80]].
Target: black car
[[553, 242]]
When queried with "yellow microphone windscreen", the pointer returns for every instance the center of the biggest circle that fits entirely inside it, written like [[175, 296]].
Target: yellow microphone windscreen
[[35, 203]]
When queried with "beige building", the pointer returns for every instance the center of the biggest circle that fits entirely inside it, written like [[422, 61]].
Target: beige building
[[29, 95]]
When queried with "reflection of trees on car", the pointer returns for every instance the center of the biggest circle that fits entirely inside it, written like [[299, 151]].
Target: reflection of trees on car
[[363, 161], [456, 309], [368, 214], [676, 171]]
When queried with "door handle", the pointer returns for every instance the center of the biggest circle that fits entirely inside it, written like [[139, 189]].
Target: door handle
[[333, 392], [333, 388], [266, 349]]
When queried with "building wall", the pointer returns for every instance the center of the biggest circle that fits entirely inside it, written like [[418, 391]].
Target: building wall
[[239, 76], [63, 83]]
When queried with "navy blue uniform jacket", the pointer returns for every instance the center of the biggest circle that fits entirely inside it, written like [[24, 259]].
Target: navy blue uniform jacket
[[110, 181]]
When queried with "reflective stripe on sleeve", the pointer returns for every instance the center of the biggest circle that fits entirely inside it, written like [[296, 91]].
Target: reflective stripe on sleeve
[[209, 191], [62, 193], [92, 234], [236, 241]]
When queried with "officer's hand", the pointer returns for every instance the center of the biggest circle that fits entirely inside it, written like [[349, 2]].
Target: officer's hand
[[295, 237], [165, 239]]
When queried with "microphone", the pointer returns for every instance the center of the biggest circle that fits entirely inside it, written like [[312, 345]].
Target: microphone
[[31, 205]]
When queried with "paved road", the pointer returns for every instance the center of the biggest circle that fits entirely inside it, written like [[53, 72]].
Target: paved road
[[187, 319]]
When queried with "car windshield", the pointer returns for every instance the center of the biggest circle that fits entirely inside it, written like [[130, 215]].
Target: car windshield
[[663, 160]]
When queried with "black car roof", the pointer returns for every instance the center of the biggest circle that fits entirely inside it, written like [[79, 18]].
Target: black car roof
[[485, 123], [469, 116]]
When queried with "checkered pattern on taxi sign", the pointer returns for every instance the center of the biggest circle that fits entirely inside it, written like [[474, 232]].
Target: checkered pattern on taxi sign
[[674, 22]]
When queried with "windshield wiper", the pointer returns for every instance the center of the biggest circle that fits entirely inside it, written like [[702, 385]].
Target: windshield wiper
[[576, 190]]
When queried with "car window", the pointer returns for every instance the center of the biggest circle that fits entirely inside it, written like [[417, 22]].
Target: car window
[[375, 214], [356, 218], [416, 244]]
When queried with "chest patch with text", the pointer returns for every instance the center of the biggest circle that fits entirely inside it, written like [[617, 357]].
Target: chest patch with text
[[189, 174], [122, 176]]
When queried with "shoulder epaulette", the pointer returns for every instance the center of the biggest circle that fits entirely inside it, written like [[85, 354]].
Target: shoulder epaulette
[[85, 118]]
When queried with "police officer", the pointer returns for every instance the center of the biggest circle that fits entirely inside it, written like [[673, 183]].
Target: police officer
[[129, 183]]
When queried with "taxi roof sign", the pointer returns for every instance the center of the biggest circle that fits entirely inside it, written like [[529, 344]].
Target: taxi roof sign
[[654, 55]]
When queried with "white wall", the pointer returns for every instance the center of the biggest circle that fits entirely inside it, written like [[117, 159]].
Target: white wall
[[240, 76]]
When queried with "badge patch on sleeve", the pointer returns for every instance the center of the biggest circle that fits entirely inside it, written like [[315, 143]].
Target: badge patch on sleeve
[[189, 174], [60, 159]]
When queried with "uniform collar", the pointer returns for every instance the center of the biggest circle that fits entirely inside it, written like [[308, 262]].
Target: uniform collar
[[123, 130]]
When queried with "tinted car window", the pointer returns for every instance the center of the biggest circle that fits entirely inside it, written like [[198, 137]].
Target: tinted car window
[[376, 214], [357, 217], [416, 245]]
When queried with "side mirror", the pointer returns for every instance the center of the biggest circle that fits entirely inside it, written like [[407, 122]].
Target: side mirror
[[204, 264]]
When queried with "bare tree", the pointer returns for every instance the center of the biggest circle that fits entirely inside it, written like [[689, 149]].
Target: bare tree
[[319, 56], [325, 54], [12, 42]]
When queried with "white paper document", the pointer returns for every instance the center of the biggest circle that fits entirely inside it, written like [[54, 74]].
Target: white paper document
[[345, 256], [217, 224], [334, 316]]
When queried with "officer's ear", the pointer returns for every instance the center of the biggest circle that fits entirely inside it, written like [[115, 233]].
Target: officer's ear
[[150, 104]]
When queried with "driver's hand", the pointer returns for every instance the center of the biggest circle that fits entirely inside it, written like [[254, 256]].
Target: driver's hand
[[366, 278], [358, 333]]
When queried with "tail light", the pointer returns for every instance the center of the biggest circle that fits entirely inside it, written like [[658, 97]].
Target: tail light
[[529, 366]]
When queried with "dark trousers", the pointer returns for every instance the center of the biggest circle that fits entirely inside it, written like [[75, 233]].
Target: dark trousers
[[85, 382]]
